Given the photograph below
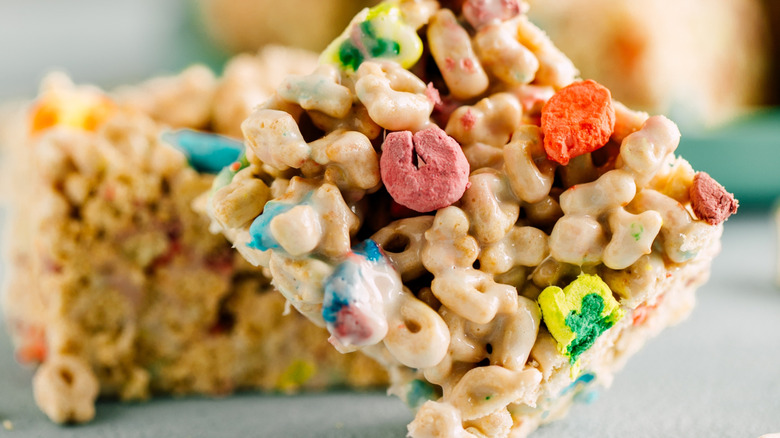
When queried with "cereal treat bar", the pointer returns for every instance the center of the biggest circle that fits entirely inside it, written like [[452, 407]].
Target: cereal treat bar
[[116, 286], [444, 193]]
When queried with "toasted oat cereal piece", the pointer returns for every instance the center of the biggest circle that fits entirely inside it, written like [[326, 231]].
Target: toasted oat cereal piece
[[65, 389]]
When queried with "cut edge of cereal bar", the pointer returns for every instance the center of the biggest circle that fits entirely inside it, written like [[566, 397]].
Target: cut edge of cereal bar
[[114, 286], [495, 298]]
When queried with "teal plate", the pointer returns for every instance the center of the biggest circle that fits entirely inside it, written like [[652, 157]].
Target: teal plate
[[744, 156]]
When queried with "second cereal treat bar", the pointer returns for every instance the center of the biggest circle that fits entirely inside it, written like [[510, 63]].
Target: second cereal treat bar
[[492, 301], [114, 285]]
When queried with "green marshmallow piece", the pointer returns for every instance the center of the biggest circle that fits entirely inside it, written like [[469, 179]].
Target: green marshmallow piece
[[419, 392], [379, 33], [578, 314], [298, 373], [225, 176]]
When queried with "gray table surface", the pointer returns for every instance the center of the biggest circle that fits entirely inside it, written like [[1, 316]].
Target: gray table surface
[[715, 375]]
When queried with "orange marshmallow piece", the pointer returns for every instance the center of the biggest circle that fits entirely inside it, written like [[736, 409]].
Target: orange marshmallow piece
[[71, 109], [578, 119]]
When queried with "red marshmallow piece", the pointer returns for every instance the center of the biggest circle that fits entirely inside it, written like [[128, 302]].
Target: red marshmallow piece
[[439, 177], [578, 119], [710, 200]]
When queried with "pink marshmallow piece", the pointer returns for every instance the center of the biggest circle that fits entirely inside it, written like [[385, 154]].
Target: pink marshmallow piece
[[440, 176], [710, 200], [482, 12], [352, 323]]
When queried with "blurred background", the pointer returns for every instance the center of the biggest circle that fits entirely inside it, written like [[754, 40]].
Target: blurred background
[[711, 65]]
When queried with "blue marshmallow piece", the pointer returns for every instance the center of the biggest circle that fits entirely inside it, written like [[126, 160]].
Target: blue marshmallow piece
[[206, 152]]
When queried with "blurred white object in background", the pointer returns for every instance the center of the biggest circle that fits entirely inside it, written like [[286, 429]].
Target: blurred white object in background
[[702, 61]]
